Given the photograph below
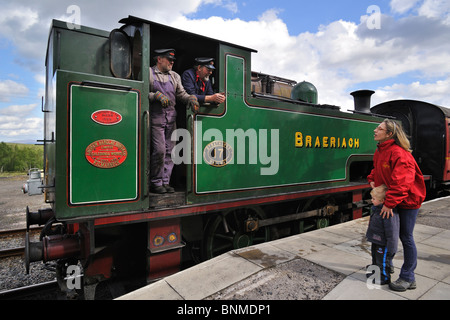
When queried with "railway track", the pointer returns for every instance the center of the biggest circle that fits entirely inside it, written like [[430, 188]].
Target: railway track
[[12, 252], [19, 231], [40, 283], [8, 236], [41, 291], [15, 284]]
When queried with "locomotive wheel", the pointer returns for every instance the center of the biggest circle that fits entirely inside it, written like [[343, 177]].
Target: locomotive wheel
[[227, 231], [322, 223]]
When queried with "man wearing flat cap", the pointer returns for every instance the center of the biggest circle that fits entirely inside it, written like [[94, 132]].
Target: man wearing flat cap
[[165, 89], [196, 81]]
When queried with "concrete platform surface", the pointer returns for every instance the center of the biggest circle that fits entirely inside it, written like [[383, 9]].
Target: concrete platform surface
[[325, 264]]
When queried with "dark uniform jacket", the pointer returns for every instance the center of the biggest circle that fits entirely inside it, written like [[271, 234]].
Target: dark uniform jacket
[[196, 86]]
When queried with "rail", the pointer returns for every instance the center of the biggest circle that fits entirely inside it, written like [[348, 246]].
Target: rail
[[35, 291], [17, 250]]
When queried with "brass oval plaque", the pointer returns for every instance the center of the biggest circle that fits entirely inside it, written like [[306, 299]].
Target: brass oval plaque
[[218, 154]]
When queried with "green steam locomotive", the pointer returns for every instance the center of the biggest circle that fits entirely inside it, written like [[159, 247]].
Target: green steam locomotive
[[268, 162]]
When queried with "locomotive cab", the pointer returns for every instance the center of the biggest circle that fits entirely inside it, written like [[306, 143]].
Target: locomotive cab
[[188, 46]]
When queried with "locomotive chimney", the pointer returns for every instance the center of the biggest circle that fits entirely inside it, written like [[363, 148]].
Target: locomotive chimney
[[362, 100]]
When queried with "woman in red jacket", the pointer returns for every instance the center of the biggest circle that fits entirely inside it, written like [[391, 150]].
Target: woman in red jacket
[[395, 167]]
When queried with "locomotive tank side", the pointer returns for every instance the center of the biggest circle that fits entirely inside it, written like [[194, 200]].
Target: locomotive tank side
[[260, 146]]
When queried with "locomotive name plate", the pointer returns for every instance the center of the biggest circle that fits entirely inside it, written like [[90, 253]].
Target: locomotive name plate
[[218, 154], [106, 117], [106, 153]]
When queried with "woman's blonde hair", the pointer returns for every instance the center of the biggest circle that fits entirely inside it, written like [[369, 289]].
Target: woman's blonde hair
[[398, 134]]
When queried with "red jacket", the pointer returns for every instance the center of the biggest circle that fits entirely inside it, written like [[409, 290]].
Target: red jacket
[[396, 168]]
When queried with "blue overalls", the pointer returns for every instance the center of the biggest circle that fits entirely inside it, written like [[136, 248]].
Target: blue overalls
[[163, 123]]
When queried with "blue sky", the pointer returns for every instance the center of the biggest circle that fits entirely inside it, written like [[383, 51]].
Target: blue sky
[[300, 16], [328, 43]]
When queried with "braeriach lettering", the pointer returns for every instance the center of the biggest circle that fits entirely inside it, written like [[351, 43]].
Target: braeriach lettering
[[327, 142]]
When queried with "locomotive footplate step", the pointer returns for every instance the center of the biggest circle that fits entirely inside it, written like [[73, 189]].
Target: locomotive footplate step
[[167, 199], [339, 253]]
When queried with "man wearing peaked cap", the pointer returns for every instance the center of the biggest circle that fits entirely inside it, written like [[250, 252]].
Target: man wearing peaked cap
[[207, 62], [196, 81], [169, 53], [165, 89]]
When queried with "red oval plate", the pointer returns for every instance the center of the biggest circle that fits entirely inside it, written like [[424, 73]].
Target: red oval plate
[[106, 153], [106, 117]]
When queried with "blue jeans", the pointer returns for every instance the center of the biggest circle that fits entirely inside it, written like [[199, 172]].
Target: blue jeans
[[407, 222]]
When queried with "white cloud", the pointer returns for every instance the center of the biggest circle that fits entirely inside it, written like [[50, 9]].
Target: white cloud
[[15, 121], [24, 28], [17, 19], [433, 92], [40, 78], [436, 9], [15, 110], [439, 9], [229, 5], [27, 24], [402, 6], [10, 89], [14, 126]]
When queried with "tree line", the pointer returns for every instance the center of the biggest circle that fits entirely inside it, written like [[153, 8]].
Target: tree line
[[20, 157]]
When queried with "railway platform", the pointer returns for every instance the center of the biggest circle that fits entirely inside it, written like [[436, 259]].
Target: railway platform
[[340, 251]]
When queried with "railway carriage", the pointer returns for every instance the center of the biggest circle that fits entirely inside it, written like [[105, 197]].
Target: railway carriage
[[267, 163]]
